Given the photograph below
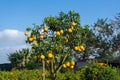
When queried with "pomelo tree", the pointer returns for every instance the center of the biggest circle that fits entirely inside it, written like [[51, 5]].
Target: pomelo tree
[[56, 40]]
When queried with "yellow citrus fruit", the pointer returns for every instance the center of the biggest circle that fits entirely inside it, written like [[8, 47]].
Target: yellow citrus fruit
[[64, 66], [60, 47], [48, 61], [34, 37], [70, 30], [45, 29], [42, 57], [30, 39], [35, 44], [72, 63], [73, 24], [50, 55], [76, 48], [67, 64], [41, 36], [65, 40], [71, 67], [34, 57], [26, 33], [101, 63], [79, 49], [57, 33], [61, 31], [72, 27], [82, 48], [33, 50], [96, 73]]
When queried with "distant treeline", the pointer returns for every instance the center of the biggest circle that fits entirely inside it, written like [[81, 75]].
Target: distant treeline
[[8, 66], [5, 67]]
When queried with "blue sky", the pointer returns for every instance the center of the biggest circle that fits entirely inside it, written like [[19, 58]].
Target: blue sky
[[15, 15]]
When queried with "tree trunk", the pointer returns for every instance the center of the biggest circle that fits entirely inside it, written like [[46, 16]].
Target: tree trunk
[[43, 67]]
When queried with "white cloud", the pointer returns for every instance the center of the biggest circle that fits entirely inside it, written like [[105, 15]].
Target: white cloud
[[10, 40], [11, 37]]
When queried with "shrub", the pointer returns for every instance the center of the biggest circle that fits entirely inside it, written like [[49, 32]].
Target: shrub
[[69, 75], [91, 72], [22, 75], [99, 71], [36, 75]]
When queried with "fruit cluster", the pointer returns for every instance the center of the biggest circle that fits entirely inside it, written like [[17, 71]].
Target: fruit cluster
[[70, 29], [69, 64], [50, 55], [79, 48], [58, 33], [33, 37]]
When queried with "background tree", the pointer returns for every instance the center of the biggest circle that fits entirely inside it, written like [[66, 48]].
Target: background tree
[[104, 35], [106, 39], [116, 40], [19, 58]]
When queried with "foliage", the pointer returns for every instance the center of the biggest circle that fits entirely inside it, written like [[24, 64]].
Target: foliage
[[99, 71], [83, 74], [35, 75], [69, 75], [21, 75], [31, 65]]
